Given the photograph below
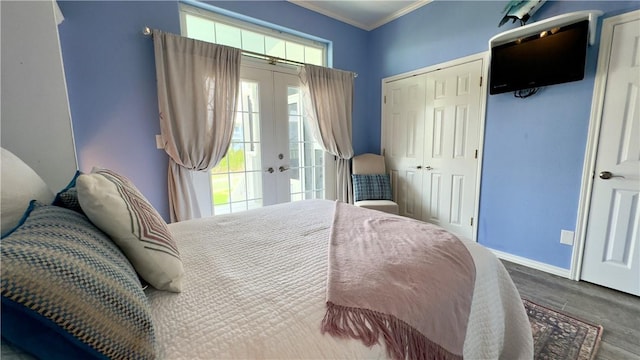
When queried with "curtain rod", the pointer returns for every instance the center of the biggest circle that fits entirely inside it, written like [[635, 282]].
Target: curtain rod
[[271, 59]]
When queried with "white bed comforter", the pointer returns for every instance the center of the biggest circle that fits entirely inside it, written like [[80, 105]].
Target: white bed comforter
[[256, 288]]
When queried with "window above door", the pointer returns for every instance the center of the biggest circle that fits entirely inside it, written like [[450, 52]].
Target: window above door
[[205, 25]]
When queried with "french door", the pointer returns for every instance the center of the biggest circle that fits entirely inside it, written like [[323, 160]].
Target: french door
[[273, 157]]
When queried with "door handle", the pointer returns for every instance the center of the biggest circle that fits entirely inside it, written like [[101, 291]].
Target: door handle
[[270, 170], [606, 175], [282, 168], [429, 168]]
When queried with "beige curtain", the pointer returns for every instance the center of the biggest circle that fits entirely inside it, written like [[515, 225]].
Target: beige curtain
[[328, 99], [198, 86]]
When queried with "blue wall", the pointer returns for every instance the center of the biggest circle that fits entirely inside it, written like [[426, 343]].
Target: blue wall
[[110, 73], [534, 148], [111, 80]]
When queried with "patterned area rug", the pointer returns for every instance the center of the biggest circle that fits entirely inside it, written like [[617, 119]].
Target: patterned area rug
[[560, 336]]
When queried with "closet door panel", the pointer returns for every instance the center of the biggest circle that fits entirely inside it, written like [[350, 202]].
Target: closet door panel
[[452, 126], [403, 141]]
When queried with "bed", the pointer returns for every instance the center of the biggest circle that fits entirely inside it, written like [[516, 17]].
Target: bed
[[253, 285]]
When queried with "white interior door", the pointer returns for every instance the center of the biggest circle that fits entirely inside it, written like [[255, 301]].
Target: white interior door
[[404, 141], [452, 135], [612, 248]]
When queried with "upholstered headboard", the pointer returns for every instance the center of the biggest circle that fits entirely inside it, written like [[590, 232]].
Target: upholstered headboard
[[36, 122]]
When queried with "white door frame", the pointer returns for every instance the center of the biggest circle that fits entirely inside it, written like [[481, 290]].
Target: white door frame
[[593, 137], [484, 56]]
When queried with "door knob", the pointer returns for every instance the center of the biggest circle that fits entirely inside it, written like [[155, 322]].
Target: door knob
[[419, 167], [606, 175], [282, 168], [429, 168], [270, 170]]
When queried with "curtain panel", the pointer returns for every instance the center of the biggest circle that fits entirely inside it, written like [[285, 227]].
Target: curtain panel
[[198, 86], [328, 99]]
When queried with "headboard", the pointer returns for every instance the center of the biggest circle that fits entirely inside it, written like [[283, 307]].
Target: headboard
[[36, 121]]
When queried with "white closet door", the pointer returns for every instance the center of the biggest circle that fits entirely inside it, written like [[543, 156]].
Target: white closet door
[[431, 133], [404, 141], [452, 135]]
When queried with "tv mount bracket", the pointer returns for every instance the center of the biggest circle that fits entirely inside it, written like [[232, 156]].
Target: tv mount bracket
[[546, 24]]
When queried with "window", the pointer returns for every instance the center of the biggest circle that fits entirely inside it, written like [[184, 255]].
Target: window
[[273, 156], [208, 26]]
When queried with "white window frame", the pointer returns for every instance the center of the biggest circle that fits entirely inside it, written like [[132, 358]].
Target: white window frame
[[185, 9]]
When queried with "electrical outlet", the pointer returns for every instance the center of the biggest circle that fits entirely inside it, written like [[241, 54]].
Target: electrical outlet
[[566, 237], [159, 142]]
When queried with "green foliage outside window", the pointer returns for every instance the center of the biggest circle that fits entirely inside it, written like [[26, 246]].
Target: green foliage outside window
[[232, 162]]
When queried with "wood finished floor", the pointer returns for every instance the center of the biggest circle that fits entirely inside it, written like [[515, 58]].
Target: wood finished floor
[[617, 312]]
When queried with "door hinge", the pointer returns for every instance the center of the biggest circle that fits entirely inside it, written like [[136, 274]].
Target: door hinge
[[476, 154], [471, 222], [385, 99], [480, 80]]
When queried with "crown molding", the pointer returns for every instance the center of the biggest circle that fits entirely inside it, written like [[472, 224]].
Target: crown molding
[[367, 27]]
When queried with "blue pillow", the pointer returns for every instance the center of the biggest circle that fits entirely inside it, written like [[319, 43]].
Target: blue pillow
[[68, 292], [371, 187]]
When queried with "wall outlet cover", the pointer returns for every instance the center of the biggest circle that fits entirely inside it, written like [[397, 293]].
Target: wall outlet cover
[[566, 237]]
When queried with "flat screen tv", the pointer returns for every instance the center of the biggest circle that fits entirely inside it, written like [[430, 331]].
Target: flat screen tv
[[553, 56]]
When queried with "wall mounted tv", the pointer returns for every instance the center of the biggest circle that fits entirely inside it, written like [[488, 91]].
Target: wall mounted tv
[[552, 56]]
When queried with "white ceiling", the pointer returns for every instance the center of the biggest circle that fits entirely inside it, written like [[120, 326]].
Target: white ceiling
[[365, 14]]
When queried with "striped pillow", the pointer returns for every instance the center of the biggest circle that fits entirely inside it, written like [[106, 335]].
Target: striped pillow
[[371, 187], [68, 197], [116, 206], [68, 292]]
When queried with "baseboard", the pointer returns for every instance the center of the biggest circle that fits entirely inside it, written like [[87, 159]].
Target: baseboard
[[565, 273]]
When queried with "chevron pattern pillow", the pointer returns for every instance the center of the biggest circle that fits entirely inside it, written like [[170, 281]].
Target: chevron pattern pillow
[[68, 292], [371, 187], [117, 207]]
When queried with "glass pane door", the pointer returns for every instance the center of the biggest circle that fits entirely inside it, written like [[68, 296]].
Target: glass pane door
[[306, 155], [237, 182], [273, 157]]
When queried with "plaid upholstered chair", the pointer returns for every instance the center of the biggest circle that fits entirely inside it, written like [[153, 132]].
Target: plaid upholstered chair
[[371, 184]]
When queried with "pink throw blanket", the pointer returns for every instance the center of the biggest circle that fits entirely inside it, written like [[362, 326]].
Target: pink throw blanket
[[407, 281]]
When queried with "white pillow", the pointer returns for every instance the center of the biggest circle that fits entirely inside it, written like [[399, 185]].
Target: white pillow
[[116, 206], [19, 185]]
